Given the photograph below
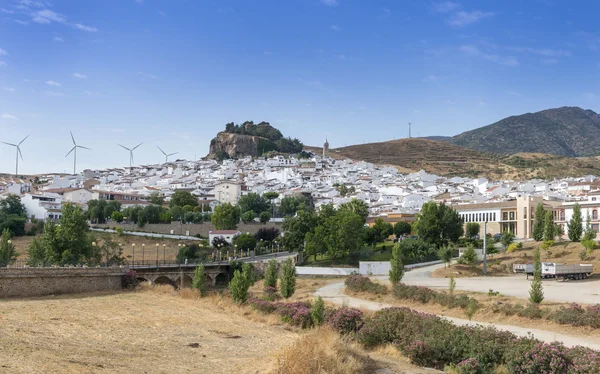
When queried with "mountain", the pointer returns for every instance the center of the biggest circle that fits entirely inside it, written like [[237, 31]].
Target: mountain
[[446, 159], [249, 139], [567, 131]]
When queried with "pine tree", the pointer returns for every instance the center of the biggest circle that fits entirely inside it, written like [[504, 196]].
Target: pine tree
[[575, 226], [288, 278], [538, 224], [589, 233], [549, 226], [536, 292], [238, 287], [7, 250], [199, 281], [397, 271]]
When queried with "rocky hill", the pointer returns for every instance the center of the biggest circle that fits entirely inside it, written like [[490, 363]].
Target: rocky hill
[[567, 131], [442, 158], [249, 139]]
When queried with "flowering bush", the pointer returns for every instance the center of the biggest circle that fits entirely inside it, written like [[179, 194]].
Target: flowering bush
[[297, 313], [469, 366], [416, 293], [130, 280], [540, 359], [346, 320], [419, 353], [271, 294], [584, 360], [263, 306], [358, 283]]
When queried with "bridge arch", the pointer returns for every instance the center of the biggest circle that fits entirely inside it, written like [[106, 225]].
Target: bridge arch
[[163, 279], [187, 281], [221, 279]]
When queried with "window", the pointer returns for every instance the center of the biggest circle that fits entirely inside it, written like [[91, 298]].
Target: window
[[525, 212], [512, 216], [594, 214], [505, 217], [593, 199], [494, 216]]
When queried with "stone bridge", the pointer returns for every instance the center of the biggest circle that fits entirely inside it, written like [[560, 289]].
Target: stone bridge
[[182, 275]]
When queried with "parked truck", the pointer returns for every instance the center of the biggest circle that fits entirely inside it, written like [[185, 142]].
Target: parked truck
[[558, 271]]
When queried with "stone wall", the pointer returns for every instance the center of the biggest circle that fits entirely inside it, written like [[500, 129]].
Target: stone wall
[[26, 282], [180, 229]]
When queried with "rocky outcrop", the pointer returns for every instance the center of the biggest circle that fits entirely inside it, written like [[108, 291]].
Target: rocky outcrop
[[235, 145]]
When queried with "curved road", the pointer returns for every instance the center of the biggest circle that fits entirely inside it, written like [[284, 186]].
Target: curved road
[[334, 293]]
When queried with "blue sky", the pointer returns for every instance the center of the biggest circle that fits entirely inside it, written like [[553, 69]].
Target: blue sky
[[172, 73]]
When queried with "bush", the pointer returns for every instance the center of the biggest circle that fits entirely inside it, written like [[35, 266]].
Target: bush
[[271, 294], [469, 366], [547, 244], [590, 245], [520, 245], [130, 280], [317, 312], [346, 320], [359, 283], [297, 313], [238, 287], [513, 247], [584, 360], [532, 312], [469, 256], [576, 315], [271, 274], [199, 281], [416, 293], [541, 358], [262, 306], [119, 230], [288, 278]]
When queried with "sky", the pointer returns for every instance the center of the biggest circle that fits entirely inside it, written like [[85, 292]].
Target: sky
[[173, 73]]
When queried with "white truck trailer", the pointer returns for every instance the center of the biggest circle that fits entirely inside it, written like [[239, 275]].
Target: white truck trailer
[[554, 270]]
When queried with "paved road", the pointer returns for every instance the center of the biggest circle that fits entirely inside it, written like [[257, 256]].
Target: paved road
[[581, 291], [335, 293]]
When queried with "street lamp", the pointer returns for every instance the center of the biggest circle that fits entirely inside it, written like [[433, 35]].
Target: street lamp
[[133, 253], [164, 254], [156, 254], [143, 248], [93, 245]]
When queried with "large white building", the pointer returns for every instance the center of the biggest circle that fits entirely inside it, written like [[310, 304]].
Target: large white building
[[229, 192], [42, 206]]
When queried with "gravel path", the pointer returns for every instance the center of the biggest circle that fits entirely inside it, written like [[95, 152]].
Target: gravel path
[[334, 293]]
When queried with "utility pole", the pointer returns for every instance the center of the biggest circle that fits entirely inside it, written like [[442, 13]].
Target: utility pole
[[485, 248], [409, 131]]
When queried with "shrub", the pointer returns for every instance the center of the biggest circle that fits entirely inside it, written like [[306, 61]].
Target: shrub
[[416, 293], [451, 285], [520, 245], [130, 280], [317, 312], [513, 247], [541, 358], [471, 308], [238, 287], [584, 360], [199, 281], [532, 312], [359, 283], [469, 366], [397, 270], [119, 230], [346, 320], [288, 278], [297, 313], [469, 256], [547, 244], [271, 294], [262, 306]]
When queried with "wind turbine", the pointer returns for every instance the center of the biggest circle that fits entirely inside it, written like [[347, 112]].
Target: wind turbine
[[74, 150], [19, 154], [130, 153], [167, 155]]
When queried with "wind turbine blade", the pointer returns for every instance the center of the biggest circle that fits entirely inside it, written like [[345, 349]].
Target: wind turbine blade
[[163, 152], [20, 154], [73, 138], [80, 146], [25, 138], [137, 146], [72, 149], [11, 144], [172, 154], [124, 147]]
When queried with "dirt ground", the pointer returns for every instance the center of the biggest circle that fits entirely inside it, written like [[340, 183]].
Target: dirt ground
[[153, 331], [501, 263]]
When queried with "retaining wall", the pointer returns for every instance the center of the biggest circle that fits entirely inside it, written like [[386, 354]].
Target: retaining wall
[[27, 282], [182, 229]]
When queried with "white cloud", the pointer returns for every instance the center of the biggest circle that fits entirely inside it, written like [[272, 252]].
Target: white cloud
[[7, 11], [46, 16], [53, 83], [446, 7], [549, 61], [329, 2], [335, 28], [21, 22], [34, 3], [472, 51], [3, 52], [146, 75], [139, 1], [10, 117], [9, 89], [58, 39], [546, 52], [2, 63], [52, 93], [79, 75], [268, 53], [431, 79], [80, 26], [462, 18]]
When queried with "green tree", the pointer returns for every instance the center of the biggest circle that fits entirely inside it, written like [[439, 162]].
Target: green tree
[[156, 198], [445, 253], [317, 312], [575, 225], [226, 217], [111, 252], [589, 234], [245, 242], [472, 229], [536, 292], [177, 212], [72, 234], [248, 217], [264, 217], [402, 228], [183, 198], [291, 204], [112, 206], [117, 217], [379, 231], [271, 274], [469, 256], [538, 223], [356, 206], [199, 281], [296, 228], [438, 224], [343, 190], [13, 215], [417, 250], [253, 202], [507, 238], [549, 229], [8, 255], [238, 287], [288, 278], [397, 271]]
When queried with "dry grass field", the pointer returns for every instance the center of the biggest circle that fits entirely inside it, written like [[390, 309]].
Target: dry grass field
[[159, 330]]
